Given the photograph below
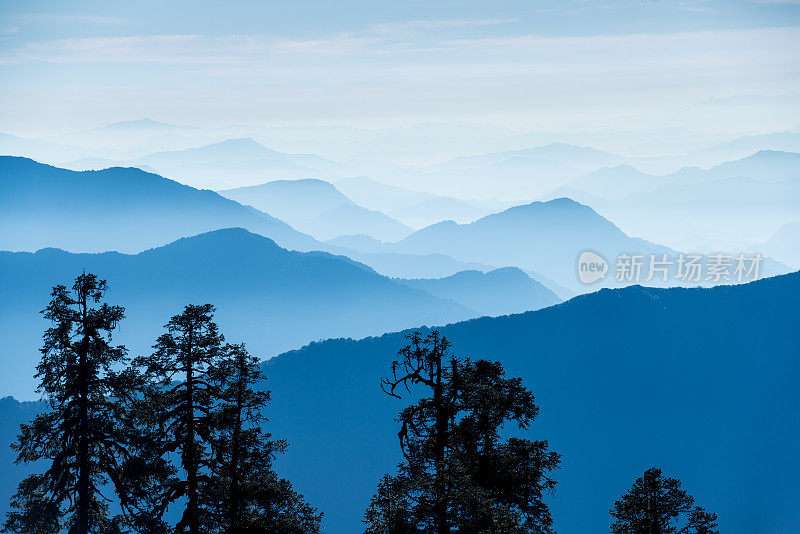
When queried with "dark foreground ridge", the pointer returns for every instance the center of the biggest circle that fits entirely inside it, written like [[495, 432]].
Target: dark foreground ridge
[[689, 380]]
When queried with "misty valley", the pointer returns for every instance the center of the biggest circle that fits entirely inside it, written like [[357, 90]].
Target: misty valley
[[415, 268]]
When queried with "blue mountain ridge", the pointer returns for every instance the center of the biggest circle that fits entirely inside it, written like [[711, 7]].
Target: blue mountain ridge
[[121, 209], [699, 382], [498, 292], [275, 298], [695, 381], [546, 237]]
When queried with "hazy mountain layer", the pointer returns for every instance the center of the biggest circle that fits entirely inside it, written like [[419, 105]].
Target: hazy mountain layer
[[379, 196], [122, 209], [438, 209], [732, 205], [784, 245], [290, 200], [270, 297], [498, 292], [622, 180], [695, 381], [546, 237], [353, 220]]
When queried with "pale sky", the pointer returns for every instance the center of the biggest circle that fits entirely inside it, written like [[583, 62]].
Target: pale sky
[[532, 65]]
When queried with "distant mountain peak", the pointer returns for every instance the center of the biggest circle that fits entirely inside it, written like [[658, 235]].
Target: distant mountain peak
[[568, 146], [141, 122], [562, 148], [128, 209], [239, 149], [239, 141], [763, 154], [137, 123], [561, 203], [443, 224], [314, 184], [228, 238], [304, 181], [622, 167], [509, 271], [556, 205], [562, 206], [503, 273]]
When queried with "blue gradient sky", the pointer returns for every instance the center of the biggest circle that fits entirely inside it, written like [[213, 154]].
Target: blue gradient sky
[[534, 65]]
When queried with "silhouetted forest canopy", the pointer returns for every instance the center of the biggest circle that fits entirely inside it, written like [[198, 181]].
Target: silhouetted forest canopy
[[176, 441], [179, 429]]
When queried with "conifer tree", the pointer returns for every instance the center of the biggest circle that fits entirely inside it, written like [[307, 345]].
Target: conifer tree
[[81, 437], [506, 479], [425, 429], [203, 407], [248, 495], [180, 409], [658, 505], [458, 474]]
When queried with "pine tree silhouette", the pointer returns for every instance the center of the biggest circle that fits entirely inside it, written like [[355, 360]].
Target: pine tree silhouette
[[658, 505], [182, 367], [458, 474], [81, 436], [247, 494], [200, 440]]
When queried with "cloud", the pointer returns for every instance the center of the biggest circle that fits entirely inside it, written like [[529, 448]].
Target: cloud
[[429, 68], [415, 40], [422, 26], [192, 48], [71, 18], [136, 49]]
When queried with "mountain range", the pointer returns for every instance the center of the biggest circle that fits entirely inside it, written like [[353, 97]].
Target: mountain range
[[546, 237], [121, 209], [396, 265], [578, 157], [130, 210], [415, 208], [41, 150], [291, 200], [741, 147], [516, 173], [734, 204], [377, 195], [498, 292], [783, 245], [242, 161], [623, 180], [438, 209], [517, 165], [694, 381], [527, 172], [318, 208], [274, 298], [124, 134], [354, 220]]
